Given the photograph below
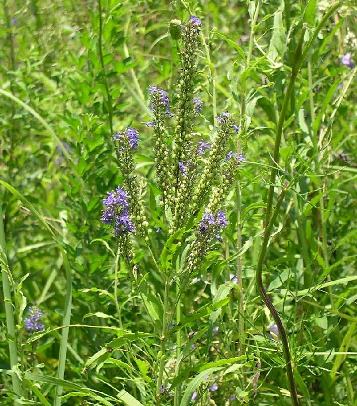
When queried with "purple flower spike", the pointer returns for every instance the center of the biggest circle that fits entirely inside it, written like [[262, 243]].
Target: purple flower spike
[[195, 21], [123, 225], [231, 155], [133, 137], [347, 60], [159, 97], [131, 134], [108, 216], [194, 397], [33, 322], [116, 212], [211, 221], [197, 105], [115, 198], [202, 147]]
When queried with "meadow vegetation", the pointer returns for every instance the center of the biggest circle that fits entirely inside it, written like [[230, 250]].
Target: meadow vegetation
[[178, 202]]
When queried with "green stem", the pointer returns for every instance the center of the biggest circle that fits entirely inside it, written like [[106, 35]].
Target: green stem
[[212, 72], [177, 398], [116, 273], [10, 37], [162, 343], [140, 95], [241, 326], [65, 330], [9, 312], [104, 73]]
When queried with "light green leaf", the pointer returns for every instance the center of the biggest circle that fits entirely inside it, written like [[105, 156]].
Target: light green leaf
[[196, 382], [127, 399], [277, 45]]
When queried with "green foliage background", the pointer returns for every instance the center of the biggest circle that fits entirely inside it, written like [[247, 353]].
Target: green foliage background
[[56, 151]]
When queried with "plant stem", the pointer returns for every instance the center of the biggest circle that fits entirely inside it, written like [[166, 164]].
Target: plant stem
[[321, 223], [162, 343], [178, 344], [65, 330], [269, 304], [212, 77], [269, 221], [9, 312], [104, 73], [116, 273], [243, 130], [139, 95]]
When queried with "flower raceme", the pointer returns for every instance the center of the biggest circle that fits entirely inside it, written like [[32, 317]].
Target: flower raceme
[[130, 135], [212, 221], [116, 212], [33, 321], [159, 100]]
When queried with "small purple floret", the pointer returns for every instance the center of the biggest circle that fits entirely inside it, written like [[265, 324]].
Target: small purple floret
[[116, 212], [123, 225], [194, 397], [195, 21], [33, 322], [211, 221], [131, 134], [233, 155], [182, 168], [161, 97], [213, 388], [273, 328], [197, 105], [347, 60], [221, 219], [235, 128], [117, 197], [202, 147], [234, 278], [223, 117], [207, 221]]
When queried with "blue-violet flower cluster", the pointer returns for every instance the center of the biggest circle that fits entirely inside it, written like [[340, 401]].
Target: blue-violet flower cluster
[[202, 147], [195, 21], [210, 221], [116, 212], [233, 155], [197, 105], [33, 321], [347, 60], [159, 97], [131, 134]]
